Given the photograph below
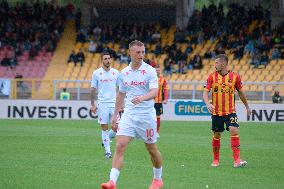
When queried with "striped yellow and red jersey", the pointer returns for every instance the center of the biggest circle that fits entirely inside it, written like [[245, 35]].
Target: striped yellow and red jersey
[[163, 90], [223, 91]]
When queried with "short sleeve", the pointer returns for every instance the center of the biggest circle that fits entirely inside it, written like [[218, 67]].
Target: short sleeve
[[94, 81], [153, 80], [122, 87], [117, 79], [209, 82], [239, 84]]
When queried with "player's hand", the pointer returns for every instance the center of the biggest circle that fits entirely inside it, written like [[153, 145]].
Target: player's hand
[[165, 101], [248, 111], [114, 124], [137, 100], [210, 108], [94, 108]]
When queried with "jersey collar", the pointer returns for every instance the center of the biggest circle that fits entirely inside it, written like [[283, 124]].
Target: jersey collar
[[142, 67]]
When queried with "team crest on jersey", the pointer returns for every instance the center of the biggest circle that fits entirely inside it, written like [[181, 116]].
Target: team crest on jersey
[[126, 73], [143, 72], [215, 89], [113, 73]]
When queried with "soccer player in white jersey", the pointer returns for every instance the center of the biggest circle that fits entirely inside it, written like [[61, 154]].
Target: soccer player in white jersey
[[104, 82], [139, 84]]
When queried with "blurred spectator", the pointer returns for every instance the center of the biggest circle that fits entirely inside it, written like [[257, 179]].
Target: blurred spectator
[[80, 57], [181, 66], [158, 49], [123, 58], [92, 47], [73, 57], [81, 37], [5, 61], [196, 62], [264, 59], [20, 83], [13, 62], [275, 54], [156, 37], [64, 95], [276, 98], [167, 67], [255, 60], [188, 49]]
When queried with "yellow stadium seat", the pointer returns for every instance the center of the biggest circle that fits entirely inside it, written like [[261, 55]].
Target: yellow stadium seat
[[184, 87], [253, 88], [174, 77], [86, 85], [62, 85], [245, 77], [176, 86], [181, 77], [189, 77], [246, 87], [199, 87], [70, 85], [269, 88]]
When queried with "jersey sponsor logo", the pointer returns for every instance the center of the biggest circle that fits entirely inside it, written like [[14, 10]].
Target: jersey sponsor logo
[[106, 80], [135, 83]]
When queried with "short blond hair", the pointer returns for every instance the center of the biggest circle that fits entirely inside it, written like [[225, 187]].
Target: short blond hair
[[136, 43]]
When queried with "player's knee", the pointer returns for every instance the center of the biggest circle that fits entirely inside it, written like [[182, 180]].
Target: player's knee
[[120, 146], [217, 135], [234, 131]]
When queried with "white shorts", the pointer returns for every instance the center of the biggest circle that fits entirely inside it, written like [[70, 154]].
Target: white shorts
[[105, 113], [141, 127]]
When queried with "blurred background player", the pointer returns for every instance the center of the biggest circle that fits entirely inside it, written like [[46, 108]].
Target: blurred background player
[[276, 98], [64, 95], [162, 97], [104, 82], [139, 83], [223, 83]]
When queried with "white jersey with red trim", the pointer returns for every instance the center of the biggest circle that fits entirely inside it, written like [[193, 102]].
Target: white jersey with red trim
[[137, 83]]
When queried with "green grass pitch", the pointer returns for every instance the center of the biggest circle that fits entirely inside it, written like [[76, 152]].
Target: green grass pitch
[[61, 154]]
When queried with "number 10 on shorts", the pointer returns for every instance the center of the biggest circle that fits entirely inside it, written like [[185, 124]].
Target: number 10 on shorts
[[149, 133]]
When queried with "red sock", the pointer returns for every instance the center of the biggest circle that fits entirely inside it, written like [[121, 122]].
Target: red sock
[[235, 144], [216, 148], [158, 124]]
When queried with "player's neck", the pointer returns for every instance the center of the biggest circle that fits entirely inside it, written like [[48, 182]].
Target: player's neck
[[105, 68], [135, 65], [224, 72]]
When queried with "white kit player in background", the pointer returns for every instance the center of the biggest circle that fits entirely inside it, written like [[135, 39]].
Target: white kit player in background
[[104, 82], [139, 84]]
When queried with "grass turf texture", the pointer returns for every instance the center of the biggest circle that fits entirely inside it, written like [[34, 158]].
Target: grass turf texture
[[68, 154]]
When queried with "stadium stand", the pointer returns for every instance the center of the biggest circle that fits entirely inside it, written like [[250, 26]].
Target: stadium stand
[[246, 41]]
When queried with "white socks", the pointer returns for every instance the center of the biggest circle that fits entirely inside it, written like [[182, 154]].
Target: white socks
[[114, 173], [157, 173], [105, 139]]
